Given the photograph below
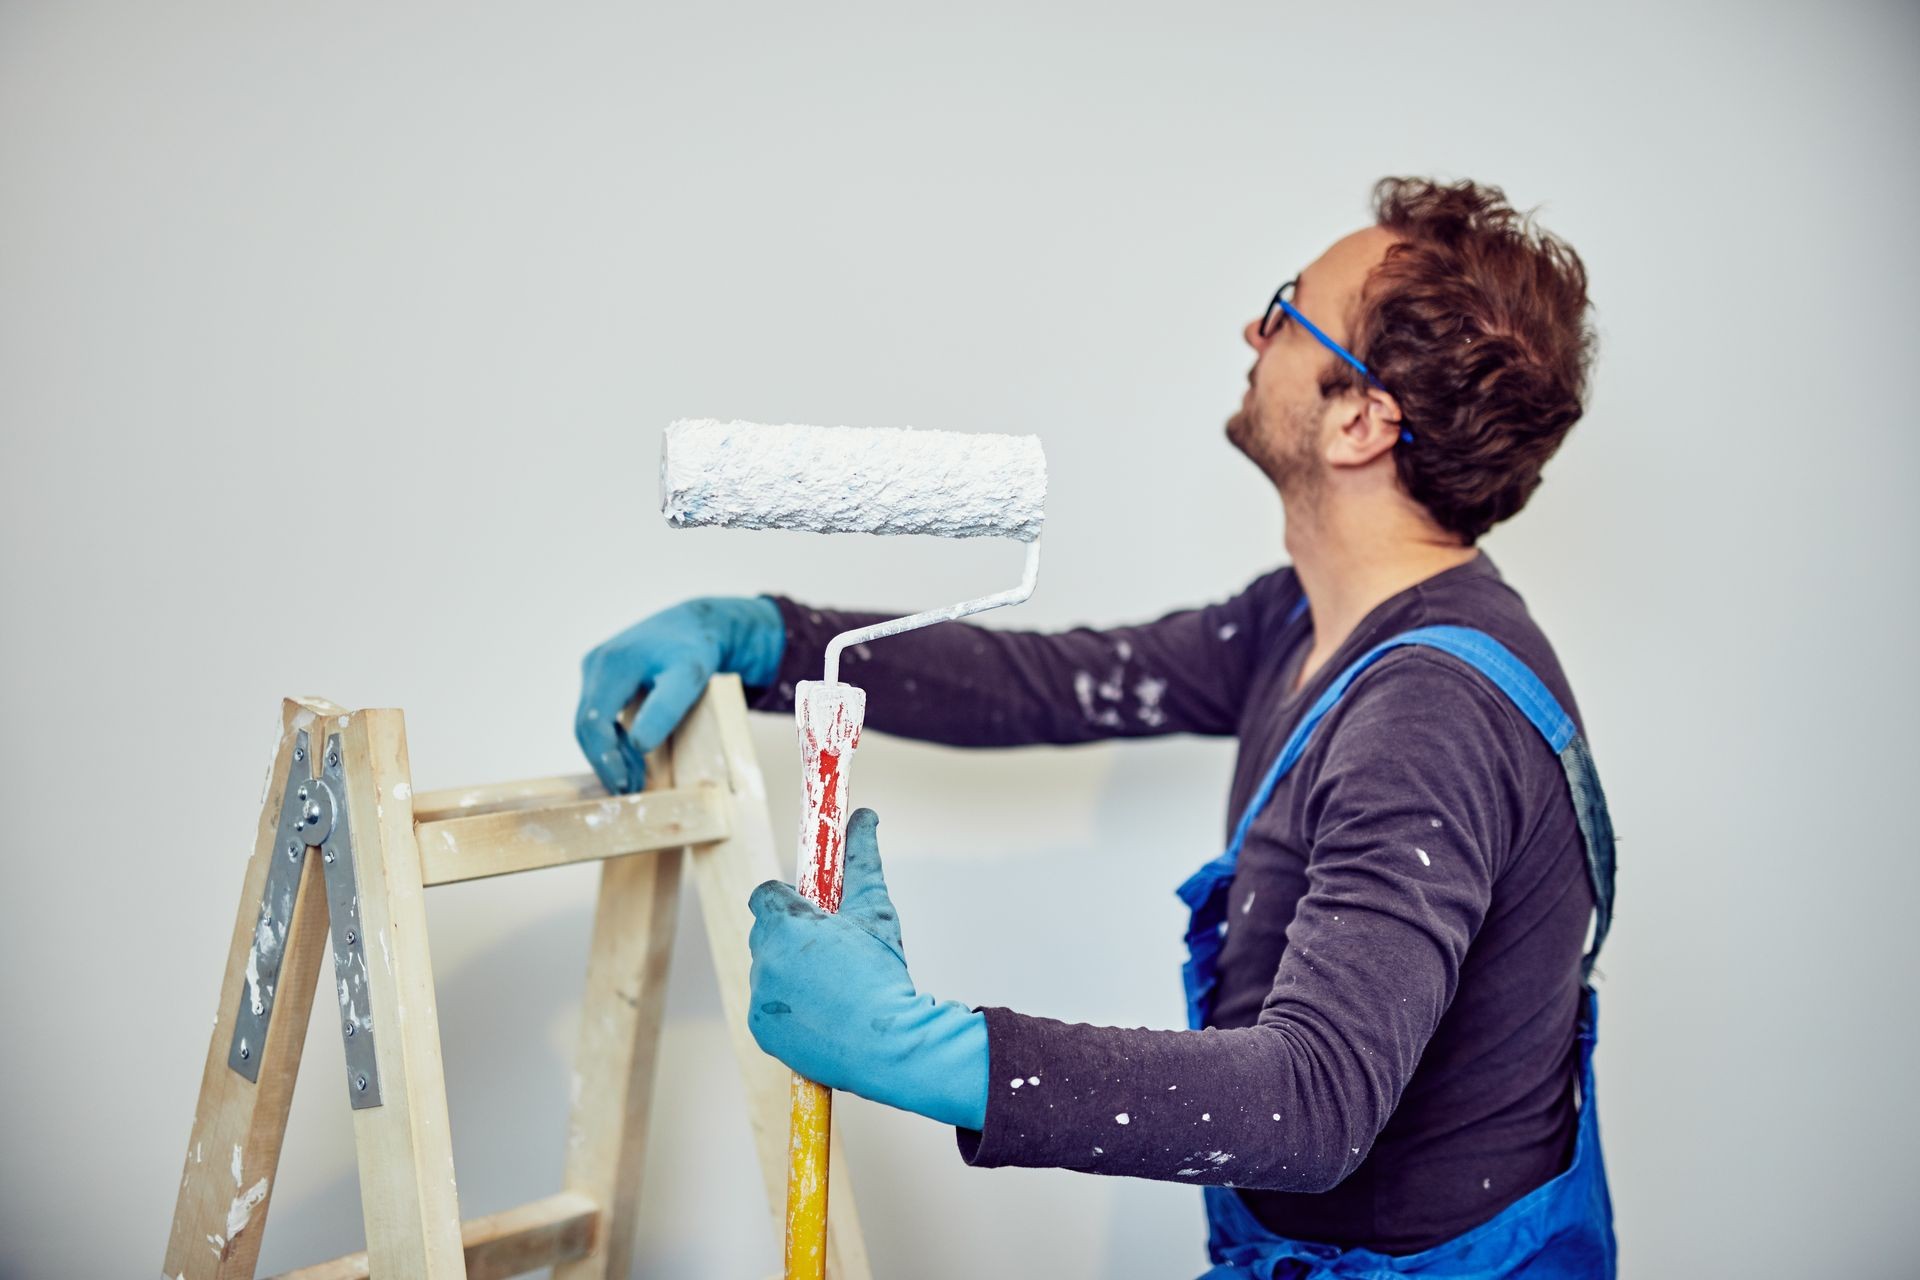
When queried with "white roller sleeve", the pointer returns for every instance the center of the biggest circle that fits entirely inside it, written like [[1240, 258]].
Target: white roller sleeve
[[852, 480]]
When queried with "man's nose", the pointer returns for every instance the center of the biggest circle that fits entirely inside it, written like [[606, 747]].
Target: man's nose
[[1252, 334]]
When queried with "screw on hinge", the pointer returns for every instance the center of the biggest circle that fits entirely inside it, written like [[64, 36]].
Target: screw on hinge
[[333, 759], [360, 1083], [245, 1053], [293, 850], [352, 937], [299, 753]]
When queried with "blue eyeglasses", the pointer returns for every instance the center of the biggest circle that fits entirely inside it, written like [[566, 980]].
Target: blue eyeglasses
[[1276, 319]]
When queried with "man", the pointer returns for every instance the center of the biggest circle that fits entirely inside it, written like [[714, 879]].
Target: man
[[1392, 1032]]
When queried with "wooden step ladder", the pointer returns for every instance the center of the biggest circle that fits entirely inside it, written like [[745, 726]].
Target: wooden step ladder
[[340, 863]]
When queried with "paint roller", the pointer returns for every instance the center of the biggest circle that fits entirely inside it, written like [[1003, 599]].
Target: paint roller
[[848, 480]]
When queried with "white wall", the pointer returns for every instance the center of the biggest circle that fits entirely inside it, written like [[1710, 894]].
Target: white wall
[[444, 271]]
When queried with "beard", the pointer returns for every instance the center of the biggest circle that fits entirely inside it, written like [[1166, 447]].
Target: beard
[[1286, 451]]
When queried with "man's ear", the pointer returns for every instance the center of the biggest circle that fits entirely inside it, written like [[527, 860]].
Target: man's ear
[[1369, 425]]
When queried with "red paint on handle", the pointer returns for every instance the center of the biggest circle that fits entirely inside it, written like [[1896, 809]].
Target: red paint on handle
[[829, 717], [823, 888]]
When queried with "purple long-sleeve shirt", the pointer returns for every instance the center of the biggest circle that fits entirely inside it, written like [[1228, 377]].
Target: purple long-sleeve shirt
[[1391, 1056]]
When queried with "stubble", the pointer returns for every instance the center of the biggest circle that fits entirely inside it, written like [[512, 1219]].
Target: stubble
[[1286, 451]]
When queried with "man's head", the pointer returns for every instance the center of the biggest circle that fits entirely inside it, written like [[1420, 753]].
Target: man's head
[[1472, 323]]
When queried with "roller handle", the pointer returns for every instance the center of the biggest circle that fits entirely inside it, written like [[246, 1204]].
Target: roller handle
[[829, 715]]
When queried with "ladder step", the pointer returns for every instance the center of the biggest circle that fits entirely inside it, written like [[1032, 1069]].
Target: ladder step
[[513, 1242], [524, 793], [510, 840]]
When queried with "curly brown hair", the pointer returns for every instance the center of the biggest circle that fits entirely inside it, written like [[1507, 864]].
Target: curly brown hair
[[1476, 322]]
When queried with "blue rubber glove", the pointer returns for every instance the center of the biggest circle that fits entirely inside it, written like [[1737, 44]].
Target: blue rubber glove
[[831, 998], [669, 656]]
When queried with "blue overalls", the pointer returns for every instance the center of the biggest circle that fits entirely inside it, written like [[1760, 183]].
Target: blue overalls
[[1558, 1231]]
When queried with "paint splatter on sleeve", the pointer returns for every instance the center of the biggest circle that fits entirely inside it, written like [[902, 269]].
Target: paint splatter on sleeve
[[1209, 1108], [968, 685], [1373, 952]]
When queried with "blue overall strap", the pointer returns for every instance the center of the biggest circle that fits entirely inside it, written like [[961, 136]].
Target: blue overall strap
[[1204, 891], [1526, 691]]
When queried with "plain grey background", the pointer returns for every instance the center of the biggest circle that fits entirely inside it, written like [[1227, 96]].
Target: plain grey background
[[336, 340]]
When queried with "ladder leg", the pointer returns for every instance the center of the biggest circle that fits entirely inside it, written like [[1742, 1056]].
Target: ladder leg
[[221, 1212], [407, 1193], [633, 928], [714, 746]]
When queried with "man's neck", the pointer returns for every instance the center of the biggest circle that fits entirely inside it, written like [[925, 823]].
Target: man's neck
[[1350, 561]]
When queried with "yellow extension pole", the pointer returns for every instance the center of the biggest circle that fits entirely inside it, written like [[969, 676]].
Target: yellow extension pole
[[807, 1180]]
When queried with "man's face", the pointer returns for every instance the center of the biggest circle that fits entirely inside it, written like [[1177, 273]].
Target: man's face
[[1282, 419]]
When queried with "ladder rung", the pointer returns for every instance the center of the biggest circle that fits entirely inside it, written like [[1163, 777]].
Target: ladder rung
[[463, 802], [510, 1243], [500, 843]]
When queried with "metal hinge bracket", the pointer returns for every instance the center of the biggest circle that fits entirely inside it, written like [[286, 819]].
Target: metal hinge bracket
[[313, 815]]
